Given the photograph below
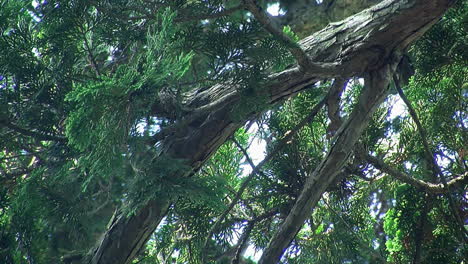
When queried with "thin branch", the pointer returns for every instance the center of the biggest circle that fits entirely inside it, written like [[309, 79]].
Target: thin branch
[[420, 231], [30, 133], [244, 151], [295, 49], [243, 242], [361, 239], [245, 236], [422, 132], [99, 208], [287, 137], [431, 158], [17, 173], [20, 155], [91, 57], [426, 186], [225, 12], [9, 179]]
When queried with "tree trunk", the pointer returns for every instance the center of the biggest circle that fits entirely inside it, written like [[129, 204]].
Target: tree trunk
[[359, 44]]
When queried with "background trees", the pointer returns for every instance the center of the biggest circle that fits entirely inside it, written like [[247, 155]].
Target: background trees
[[97, 102]]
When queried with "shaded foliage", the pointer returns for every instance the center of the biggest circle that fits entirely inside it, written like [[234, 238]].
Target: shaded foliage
[[84, 85]]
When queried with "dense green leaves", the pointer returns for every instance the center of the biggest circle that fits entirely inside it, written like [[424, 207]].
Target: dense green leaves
[[87, 86]]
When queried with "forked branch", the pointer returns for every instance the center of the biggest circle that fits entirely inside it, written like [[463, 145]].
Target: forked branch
[[294, 48]]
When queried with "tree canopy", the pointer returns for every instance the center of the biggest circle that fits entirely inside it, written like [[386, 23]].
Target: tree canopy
[[213, 131]]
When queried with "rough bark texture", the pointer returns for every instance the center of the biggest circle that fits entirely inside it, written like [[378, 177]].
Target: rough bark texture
[[299, 17], [374, 92], [126, 236], [362, 43]]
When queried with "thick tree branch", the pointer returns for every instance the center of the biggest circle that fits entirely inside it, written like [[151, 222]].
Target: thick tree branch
[[374, 92], [456, 182], [362, 43], [306, 19]]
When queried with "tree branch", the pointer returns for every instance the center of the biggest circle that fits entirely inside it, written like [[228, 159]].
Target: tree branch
[[302, 59], [30, 133], [219, 14], [244, 151], [245, 236], [375, 91], [243, 242], [422, 132], [456, 182], [432, 159], [255, 169], [333, 106], [363, 43], [421, 230]]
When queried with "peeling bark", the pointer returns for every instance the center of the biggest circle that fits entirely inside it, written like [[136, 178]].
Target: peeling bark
[[362, 43]]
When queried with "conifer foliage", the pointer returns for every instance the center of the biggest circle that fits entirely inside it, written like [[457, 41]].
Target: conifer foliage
[[128, 131]]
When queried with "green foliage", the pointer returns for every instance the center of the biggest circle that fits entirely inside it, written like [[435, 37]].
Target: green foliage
[[445, 43], [106, 110], [440, 93], [290, 33], [401, 223], [201, 199], [86, 87]]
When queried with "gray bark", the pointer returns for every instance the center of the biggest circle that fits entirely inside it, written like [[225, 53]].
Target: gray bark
[[375, 90], [298, 13], [362, 43]]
